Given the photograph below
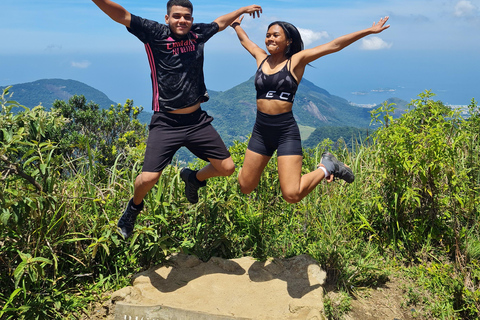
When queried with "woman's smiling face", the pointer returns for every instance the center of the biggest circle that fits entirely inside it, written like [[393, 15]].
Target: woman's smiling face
[[276, 40]]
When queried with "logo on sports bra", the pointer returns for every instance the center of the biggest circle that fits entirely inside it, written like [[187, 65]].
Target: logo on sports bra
[[282, 95]]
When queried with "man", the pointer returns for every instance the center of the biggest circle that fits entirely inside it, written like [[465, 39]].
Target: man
[[175, 55]]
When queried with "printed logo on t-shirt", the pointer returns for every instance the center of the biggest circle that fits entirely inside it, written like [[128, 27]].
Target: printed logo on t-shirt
[[182, 46]]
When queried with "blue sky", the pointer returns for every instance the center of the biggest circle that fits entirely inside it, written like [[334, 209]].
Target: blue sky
[[431, 45]]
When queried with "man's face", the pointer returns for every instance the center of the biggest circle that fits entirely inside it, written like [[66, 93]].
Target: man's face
[[180, 20]]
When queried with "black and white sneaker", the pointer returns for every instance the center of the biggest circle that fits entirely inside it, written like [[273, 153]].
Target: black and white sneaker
[[128, 218], [337, 168], [191, 184]]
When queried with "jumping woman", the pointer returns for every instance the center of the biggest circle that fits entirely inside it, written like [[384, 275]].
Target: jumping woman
[[276, 81]]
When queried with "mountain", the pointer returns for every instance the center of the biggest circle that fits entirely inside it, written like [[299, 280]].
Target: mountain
[[46, 91], [401, 106], [234, 110]]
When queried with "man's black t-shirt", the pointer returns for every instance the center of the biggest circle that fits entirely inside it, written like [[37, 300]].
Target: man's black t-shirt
[[176, 64]]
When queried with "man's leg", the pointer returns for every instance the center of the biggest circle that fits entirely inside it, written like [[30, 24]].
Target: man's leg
[[216, 168], [194, 180], [205, 142], [143, 184]]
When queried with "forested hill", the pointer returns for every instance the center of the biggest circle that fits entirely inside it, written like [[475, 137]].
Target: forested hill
[[46, 91], [234, 110]]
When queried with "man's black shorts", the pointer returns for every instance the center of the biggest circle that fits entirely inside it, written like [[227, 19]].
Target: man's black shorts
[[168, 132]]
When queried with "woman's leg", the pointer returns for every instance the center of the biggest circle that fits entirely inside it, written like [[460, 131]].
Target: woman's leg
[[295, 186], [249, 175]]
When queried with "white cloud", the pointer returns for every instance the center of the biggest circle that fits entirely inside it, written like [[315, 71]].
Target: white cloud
[[374, 43], [81, 64], [310, 36], [465, 8]]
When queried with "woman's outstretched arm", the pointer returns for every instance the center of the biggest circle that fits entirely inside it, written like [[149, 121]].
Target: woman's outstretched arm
[[258, 53], [306, 56]]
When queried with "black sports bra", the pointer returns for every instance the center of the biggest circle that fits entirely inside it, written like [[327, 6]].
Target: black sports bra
[[278, 86]]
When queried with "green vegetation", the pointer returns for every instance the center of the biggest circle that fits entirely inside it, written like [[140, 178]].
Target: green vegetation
[[305, 131], [349, 136], [235, 110], [66, 174]]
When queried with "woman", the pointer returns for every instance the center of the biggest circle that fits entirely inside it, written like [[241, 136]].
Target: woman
[[276, 81]]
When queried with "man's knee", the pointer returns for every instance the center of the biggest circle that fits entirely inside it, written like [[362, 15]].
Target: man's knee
[[148, 178], [227, 168]]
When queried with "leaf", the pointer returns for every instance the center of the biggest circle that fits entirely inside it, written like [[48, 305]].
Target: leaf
[[41, 259], [34, 158], [95, 249], [5, 216], [43, 168], [161, 217], [7, 136], [28, 153], [105, 247], [19, 271], [10, 300]]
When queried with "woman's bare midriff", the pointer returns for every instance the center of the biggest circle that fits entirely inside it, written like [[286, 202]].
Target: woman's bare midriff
[[273, 107]]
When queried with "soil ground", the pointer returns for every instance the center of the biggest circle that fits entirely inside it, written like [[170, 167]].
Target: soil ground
[[382, 303]]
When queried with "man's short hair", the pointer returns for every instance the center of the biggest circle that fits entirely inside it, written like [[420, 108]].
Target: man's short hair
[[181, 3]]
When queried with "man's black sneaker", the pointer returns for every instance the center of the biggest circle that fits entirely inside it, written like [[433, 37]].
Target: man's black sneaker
[[337, 168], [191, 184], [128, 218]]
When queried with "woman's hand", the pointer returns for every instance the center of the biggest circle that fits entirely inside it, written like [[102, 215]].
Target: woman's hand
[[379, 26], [237, 22]]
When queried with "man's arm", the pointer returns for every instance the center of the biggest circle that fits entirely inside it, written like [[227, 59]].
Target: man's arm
[[225, 20], [115, 11]]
